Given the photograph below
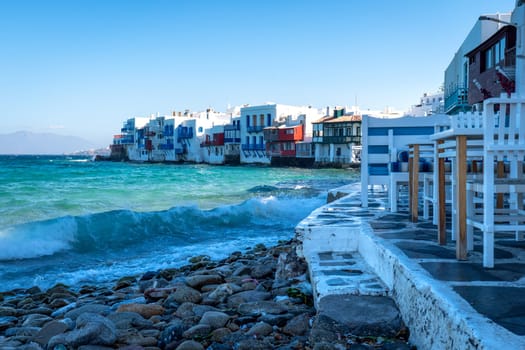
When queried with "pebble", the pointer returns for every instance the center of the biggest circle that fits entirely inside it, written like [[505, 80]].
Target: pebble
[[241, 302]]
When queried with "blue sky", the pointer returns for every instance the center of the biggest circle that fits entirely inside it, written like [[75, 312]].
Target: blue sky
[[82, 67]]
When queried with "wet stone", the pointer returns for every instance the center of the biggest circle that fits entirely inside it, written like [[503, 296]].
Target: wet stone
[[503, 305], [453, 271], [417, 250]]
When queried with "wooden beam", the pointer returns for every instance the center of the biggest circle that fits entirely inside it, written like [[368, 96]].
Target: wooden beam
[[414, 178], [461, 193], [442, 229]]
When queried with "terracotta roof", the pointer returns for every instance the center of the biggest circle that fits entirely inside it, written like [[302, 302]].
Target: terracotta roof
[[345, 118], [323, 119]]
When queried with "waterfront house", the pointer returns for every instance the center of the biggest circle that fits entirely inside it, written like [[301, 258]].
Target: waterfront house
[[254, 119], [281, 140], [457, 78], [337, 138], [232, 141], [492, 67], [126, 139], [213, 145]]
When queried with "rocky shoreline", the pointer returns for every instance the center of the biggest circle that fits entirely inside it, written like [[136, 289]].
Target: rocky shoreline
[[260, 299]]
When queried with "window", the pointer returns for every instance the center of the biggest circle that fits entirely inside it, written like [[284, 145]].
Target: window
[[248, 121], [261, 140], [261, 120], [269, 119], [200, 128], [338, 152], [488, 59], [502, 48]]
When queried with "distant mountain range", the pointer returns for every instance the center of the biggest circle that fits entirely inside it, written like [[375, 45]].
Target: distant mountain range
[[25, 142]]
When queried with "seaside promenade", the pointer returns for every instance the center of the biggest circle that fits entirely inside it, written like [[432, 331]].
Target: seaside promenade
[[445, 303]]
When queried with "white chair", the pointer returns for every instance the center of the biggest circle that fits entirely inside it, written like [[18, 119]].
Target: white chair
[[383, 139], [504, 141]]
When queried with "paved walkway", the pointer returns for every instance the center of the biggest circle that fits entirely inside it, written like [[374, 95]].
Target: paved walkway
[[444, 302]]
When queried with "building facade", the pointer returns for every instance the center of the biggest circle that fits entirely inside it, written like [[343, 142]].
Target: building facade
[[457, 73]]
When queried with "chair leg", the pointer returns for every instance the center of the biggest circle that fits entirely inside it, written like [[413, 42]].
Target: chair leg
[[488, 249], [470, 213]]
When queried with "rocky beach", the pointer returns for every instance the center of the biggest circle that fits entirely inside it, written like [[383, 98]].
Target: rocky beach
[[259, 299]]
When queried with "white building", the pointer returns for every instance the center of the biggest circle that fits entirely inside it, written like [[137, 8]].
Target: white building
[[456, 74], [429, 103], [212, 148], [337, 138], [255, 118]]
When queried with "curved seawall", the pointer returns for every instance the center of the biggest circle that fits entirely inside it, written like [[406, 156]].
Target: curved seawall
[[404, 256]]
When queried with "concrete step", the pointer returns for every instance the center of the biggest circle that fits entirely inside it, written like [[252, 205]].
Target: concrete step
[[343, 273]]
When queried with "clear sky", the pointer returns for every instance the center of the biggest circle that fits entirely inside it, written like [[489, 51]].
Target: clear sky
[[81, 67]]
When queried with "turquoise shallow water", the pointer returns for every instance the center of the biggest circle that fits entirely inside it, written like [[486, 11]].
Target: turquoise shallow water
[[70, 220]]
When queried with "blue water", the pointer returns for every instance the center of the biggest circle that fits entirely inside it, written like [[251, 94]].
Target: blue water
[[73, 221]]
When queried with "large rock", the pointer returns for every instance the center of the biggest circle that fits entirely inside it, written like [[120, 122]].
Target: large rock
[[133, 337], [198, 331], [214, 319], [290, 265], [90, 329], [49, 330], [145, 310], [363, 315], [260, 329], [36, 320], [22, 331], [247, 296], [89, 308], [261, 308], [7, 311], [299, 325], [190, 345], [171, 333], [220, 294], [185, 294], [263, 270], [220, 334], [7, 322], [126, 320], [197, 281]]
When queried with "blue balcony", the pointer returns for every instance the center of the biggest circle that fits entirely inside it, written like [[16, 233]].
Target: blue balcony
[[184, 132], [232, 127], [168, 130], [253, 147], [232, 140], [457, 101], [257, 128]]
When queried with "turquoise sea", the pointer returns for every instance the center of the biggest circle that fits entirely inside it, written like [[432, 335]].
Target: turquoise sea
[[74, 221]]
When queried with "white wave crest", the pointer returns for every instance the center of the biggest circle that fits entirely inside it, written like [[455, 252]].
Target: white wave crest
[[37, 239]]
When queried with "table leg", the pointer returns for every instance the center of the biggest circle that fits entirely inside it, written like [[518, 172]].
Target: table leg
[[461, 194], [414, 178], [442, 229]]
